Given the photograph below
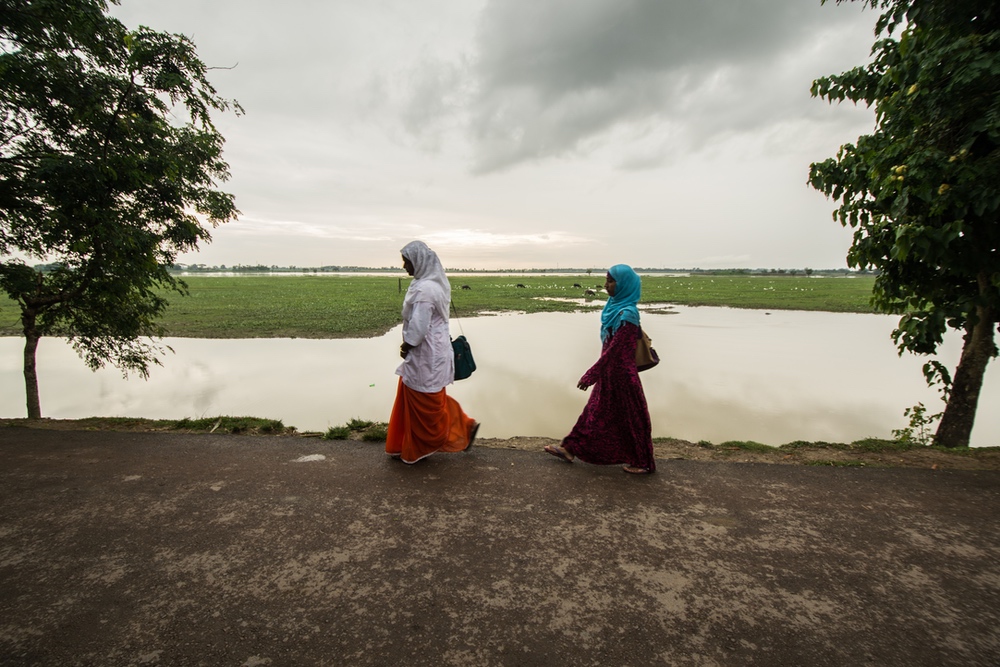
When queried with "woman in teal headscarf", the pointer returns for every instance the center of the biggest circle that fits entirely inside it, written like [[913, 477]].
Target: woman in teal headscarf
[[614, 427]]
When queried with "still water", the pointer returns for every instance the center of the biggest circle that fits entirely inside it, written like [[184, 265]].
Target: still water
[[725, 374]]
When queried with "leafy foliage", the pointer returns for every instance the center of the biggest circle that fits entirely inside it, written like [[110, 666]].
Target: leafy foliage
[[108, 167], [923, 191], [918, 429]]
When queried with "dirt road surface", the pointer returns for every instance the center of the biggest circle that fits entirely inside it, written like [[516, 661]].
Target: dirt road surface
[[176, 549]]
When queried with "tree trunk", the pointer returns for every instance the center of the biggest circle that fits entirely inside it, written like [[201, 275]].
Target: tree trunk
[[955, 428], [31, 338]]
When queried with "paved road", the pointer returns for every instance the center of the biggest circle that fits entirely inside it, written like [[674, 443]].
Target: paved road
[[166, 549]]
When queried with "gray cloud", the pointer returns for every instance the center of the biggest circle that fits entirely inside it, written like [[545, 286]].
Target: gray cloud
[[551, 77], [521, 133]]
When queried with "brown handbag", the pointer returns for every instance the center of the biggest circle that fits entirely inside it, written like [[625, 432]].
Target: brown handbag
[[645, 356]]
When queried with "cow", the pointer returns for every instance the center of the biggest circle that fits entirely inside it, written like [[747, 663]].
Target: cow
[[519, 285], [578, 285], [590, 292], [466, 287]]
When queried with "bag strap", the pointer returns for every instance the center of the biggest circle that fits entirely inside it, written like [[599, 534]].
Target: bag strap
[[455, 310]]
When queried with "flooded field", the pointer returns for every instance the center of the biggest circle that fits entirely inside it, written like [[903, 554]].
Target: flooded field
[[726, 374]]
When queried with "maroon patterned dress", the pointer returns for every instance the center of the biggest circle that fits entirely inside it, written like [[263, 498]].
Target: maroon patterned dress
[[614, 426]]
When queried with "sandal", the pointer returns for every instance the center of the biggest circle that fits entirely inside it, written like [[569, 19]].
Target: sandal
[[472, 437], [635, 470], [559, 452]]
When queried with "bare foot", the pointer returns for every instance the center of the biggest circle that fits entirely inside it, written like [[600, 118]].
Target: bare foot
[[557, 451]]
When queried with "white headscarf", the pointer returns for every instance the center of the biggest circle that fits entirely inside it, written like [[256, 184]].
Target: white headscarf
[[429, 280]]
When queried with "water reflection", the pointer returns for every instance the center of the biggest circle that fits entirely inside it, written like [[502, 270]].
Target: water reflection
[[726, 374]]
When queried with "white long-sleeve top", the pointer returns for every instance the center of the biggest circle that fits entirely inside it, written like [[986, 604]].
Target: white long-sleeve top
[[430, 366]]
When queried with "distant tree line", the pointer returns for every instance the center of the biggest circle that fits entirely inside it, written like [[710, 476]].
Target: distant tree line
[[263, 268], [273, 268]]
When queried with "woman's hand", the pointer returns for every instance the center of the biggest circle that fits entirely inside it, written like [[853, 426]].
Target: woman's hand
[[405, 348], [583, 385]]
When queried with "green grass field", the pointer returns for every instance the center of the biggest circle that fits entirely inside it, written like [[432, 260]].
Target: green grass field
[[361, 306]]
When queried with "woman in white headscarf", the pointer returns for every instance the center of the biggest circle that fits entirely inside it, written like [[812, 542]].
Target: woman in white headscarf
[[424, 418]]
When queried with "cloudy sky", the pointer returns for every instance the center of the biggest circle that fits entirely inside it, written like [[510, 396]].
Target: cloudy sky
[[526, 133]]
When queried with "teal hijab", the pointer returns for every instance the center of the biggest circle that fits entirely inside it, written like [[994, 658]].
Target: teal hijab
[[622, 306]]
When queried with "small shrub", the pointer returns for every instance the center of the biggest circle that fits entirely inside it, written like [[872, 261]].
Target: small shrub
[[366, 430], [233, 425], [747, 445], [272, 426], [337, 433], [818, 444], [839, 464], [880, 445], [376, 433], [918, 431]]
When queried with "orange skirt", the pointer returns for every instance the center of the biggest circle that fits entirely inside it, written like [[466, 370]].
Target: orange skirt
[[422, 424]]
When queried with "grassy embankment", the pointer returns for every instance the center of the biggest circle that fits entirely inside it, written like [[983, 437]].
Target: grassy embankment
[[362, 306], [862, 453]]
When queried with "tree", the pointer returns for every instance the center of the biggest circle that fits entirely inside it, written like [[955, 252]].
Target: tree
[[922, 192], [108, 169]]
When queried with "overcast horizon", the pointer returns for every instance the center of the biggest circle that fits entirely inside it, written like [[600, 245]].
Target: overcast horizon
[[526, 134], [348, 268]]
